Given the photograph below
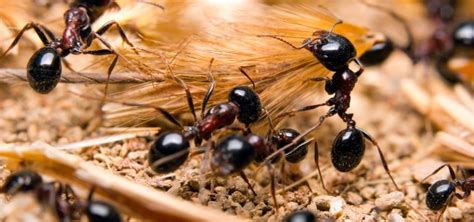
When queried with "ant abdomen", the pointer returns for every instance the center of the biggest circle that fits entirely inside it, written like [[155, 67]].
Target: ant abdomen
[[44, 70], [438, 194], [100, 211], [378, 53], [167, 144], [463, 35], [348, 149], [22, 181], [232, 155], [333, 51], [295, 153], [248, 102]]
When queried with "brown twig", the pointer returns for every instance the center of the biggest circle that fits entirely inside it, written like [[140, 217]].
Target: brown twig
[[19, 75]]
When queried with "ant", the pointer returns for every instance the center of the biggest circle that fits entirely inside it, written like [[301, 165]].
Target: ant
[[335, 52], [440, 47], [301, 216], [60, 197], [44, 67], [440, 193]]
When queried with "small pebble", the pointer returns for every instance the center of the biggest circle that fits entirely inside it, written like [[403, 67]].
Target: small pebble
[[354, 198], [238, 197], [390, 200], [334, 205], [454, 213], [367, 193], [395, 216]]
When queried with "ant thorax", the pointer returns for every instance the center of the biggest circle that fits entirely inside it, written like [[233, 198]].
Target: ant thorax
[[76, 31]]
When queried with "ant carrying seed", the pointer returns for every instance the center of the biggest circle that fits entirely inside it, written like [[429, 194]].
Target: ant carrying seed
[[60, 198], [44, 67], [440, 194], [335, 52]]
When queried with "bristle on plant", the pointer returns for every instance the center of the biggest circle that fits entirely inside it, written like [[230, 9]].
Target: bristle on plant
[[279, 71]]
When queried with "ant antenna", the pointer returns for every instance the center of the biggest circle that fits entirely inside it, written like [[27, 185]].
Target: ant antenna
[[183, 85], [408, 48], [210, 90], [241, 69], [338, 21]]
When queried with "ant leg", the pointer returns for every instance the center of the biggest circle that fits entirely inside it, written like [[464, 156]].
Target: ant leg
[[163, 112], [306, 108], [329, 86], [382, 158], [273, 188], [246, 179], [445, 207], [271, 127], [108, 25], [451, 172], [109, 71], [281, 151], [316, 160], [68, 65], [241, 69], [183, 85], [205, 163], [210, 90], [27, 27]]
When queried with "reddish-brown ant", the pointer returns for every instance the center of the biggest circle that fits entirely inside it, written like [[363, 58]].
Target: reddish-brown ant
[[440, 193], [60, 198], [44, 66], [335, 52]]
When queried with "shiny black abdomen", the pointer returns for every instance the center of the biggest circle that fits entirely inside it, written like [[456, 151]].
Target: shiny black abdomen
[[348, 149], [44, 70]]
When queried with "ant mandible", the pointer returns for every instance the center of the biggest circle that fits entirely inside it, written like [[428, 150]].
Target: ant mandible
[[60, 197], [44, 67], [440, 193], [335, 52]]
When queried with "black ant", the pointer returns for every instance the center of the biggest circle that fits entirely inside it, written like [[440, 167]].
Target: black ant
[[44, 67], [440, 47], [60, 197], [335, 52], [301, 216], [440, 193]]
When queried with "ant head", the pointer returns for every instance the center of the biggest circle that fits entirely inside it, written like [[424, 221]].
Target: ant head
[[348, 149], [232, 155], [102, 211], [22, 181], [438, 194], [334, 51], [286, 136], [248, 102], [379, 52], [44, 70], [167, 145], [77, 16], [463, 35]]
